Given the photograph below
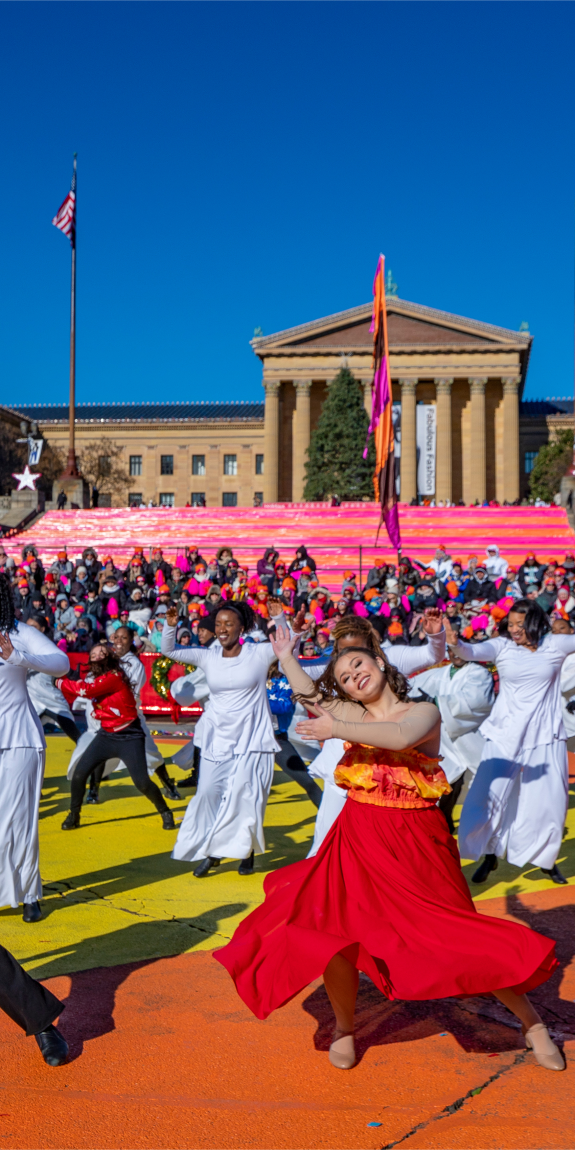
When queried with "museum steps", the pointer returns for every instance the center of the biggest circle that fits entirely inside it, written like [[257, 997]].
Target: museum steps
[[339, 538]]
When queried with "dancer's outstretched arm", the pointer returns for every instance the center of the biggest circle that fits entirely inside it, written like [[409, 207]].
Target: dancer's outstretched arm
[[27, 647], [420, 725]]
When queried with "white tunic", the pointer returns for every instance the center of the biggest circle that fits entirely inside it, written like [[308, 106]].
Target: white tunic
[[22, 754], [465, 697], [408, 660], [518, 802], [225, 817]]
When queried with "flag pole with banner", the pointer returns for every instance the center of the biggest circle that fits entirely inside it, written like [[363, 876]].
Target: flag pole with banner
[[381, 424], [65, 221]]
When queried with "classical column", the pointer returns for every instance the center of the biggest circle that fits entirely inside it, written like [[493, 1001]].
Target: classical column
[[367, 395], [477, 444], [511, 476], [408, 469], [301, 432], [443, 441], [271, 433]]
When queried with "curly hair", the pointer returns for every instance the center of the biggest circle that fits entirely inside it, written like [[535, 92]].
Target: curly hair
[[7, 614], [110, 662], [242, 609], [368, 644]]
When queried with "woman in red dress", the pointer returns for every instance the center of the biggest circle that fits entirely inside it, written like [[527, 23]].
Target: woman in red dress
[[385, 893]]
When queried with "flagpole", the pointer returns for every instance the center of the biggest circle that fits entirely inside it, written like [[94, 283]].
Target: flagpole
[[72, 464]]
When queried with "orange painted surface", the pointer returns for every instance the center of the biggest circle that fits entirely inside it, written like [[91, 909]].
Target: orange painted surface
[[164, 1054]]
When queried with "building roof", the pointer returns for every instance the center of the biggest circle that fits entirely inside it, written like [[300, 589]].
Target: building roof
[[535, 408], [144, 412], [410, 325]]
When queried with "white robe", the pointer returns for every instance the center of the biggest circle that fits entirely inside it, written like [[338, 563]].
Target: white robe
[[225, 817], [22, 757], [408, 660], [518, 802], [465, 697], [45, 696], [188, 689], [567, 694]]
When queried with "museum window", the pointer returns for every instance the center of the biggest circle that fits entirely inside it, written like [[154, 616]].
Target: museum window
[[166, 465], [198, 499], [104, 462], [230, 468], [259, 464], [166, 499], [135, 497], [135, 465], [198, 465], [530, 457], [230, 498], [258, 498]]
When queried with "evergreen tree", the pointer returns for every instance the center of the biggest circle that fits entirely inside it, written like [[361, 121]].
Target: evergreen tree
[[335, 456], [550, 466]]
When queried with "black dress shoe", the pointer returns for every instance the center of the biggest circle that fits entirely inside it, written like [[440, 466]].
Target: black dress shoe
[[490, 862], [71, 821], [54, 1048], [168, 821], [92, 796], [170, 790], [554, 874], [247, 865], [202, 870], [32, 912]]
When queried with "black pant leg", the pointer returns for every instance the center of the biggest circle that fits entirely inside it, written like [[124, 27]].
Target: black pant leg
[[97, 752], [448, 802], [67, 725], [29, 1004], [133, 754], [293, 765]]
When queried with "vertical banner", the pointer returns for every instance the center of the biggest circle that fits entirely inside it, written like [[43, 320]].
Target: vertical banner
[[426, 439], [396, 421]]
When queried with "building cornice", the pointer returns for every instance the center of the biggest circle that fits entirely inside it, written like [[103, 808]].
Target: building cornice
[[264, 344]]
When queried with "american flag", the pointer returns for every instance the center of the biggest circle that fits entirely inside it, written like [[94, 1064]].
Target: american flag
[[65, 218]]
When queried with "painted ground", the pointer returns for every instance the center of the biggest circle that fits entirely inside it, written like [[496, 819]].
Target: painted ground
[[165, 1055]]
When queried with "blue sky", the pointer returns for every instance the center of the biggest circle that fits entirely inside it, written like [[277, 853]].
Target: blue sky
[[243, 164]]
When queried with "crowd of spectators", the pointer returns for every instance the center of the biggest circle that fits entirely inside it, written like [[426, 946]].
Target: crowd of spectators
[[79, 601]]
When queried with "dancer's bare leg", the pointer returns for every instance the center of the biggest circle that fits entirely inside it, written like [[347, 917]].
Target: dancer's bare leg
[[341, 981], [536, 1034], [520, 1006]]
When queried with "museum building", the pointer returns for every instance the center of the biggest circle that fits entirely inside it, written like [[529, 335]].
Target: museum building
[[471, 373]]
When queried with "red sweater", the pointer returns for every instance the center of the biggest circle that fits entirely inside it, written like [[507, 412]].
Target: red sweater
[[114, 703]]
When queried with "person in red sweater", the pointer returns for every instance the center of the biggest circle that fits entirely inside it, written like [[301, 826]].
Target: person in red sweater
[[120, 736]]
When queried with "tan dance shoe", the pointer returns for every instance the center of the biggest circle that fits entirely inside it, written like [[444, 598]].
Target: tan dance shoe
[[546, 1052], [342, 1051]]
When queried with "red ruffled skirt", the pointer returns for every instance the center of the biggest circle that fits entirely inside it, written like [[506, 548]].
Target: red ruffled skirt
[[386, 890]]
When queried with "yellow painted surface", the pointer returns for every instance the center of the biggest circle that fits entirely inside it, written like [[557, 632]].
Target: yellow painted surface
[[112, 893]]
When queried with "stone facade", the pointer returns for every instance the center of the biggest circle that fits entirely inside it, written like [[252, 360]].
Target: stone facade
[[473, 372]]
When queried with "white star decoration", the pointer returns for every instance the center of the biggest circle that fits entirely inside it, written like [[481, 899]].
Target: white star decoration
[[26, 478]]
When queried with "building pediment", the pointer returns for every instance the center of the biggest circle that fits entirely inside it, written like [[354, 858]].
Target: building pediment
[[410, 327]]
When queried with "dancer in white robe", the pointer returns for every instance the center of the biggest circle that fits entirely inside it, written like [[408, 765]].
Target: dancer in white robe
[[22, 756], [355, 631], [562, 627], [225, 817], [518, 802], [464, 694]]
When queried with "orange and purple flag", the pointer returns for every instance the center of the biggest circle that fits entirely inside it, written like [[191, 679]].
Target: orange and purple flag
[[381, 424]]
